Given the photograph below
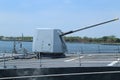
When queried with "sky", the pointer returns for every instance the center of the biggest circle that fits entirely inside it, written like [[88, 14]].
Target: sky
[[19, 17]]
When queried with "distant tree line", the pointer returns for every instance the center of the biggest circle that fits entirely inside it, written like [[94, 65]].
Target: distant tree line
[[104, 39], [25, 38]]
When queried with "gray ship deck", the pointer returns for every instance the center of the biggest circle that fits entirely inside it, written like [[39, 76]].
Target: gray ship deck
[[72, 60]]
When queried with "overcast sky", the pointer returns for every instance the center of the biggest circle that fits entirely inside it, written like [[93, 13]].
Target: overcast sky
[[24, 16]]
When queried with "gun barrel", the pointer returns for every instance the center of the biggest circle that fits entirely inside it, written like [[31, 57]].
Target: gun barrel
[[89, 26]]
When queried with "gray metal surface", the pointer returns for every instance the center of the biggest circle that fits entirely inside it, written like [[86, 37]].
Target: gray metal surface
[[72, 60]]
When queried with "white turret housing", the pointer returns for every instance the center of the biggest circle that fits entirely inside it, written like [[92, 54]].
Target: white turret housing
[[48, 41]]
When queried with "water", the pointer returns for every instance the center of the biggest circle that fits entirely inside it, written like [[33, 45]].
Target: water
[[7, 46], [93, 48]]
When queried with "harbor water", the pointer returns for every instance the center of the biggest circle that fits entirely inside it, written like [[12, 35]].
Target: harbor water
[[7, 47]]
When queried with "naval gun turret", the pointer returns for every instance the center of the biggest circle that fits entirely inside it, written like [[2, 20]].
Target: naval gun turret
[[50, 42]]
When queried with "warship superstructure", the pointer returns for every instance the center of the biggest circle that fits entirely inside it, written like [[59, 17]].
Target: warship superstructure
[[51, 61]]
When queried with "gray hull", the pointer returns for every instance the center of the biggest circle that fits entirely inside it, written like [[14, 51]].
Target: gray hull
[[67, 73]]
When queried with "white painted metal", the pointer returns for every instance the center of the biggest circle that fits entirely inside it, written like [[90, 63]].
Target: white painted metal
[[48, 40]]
